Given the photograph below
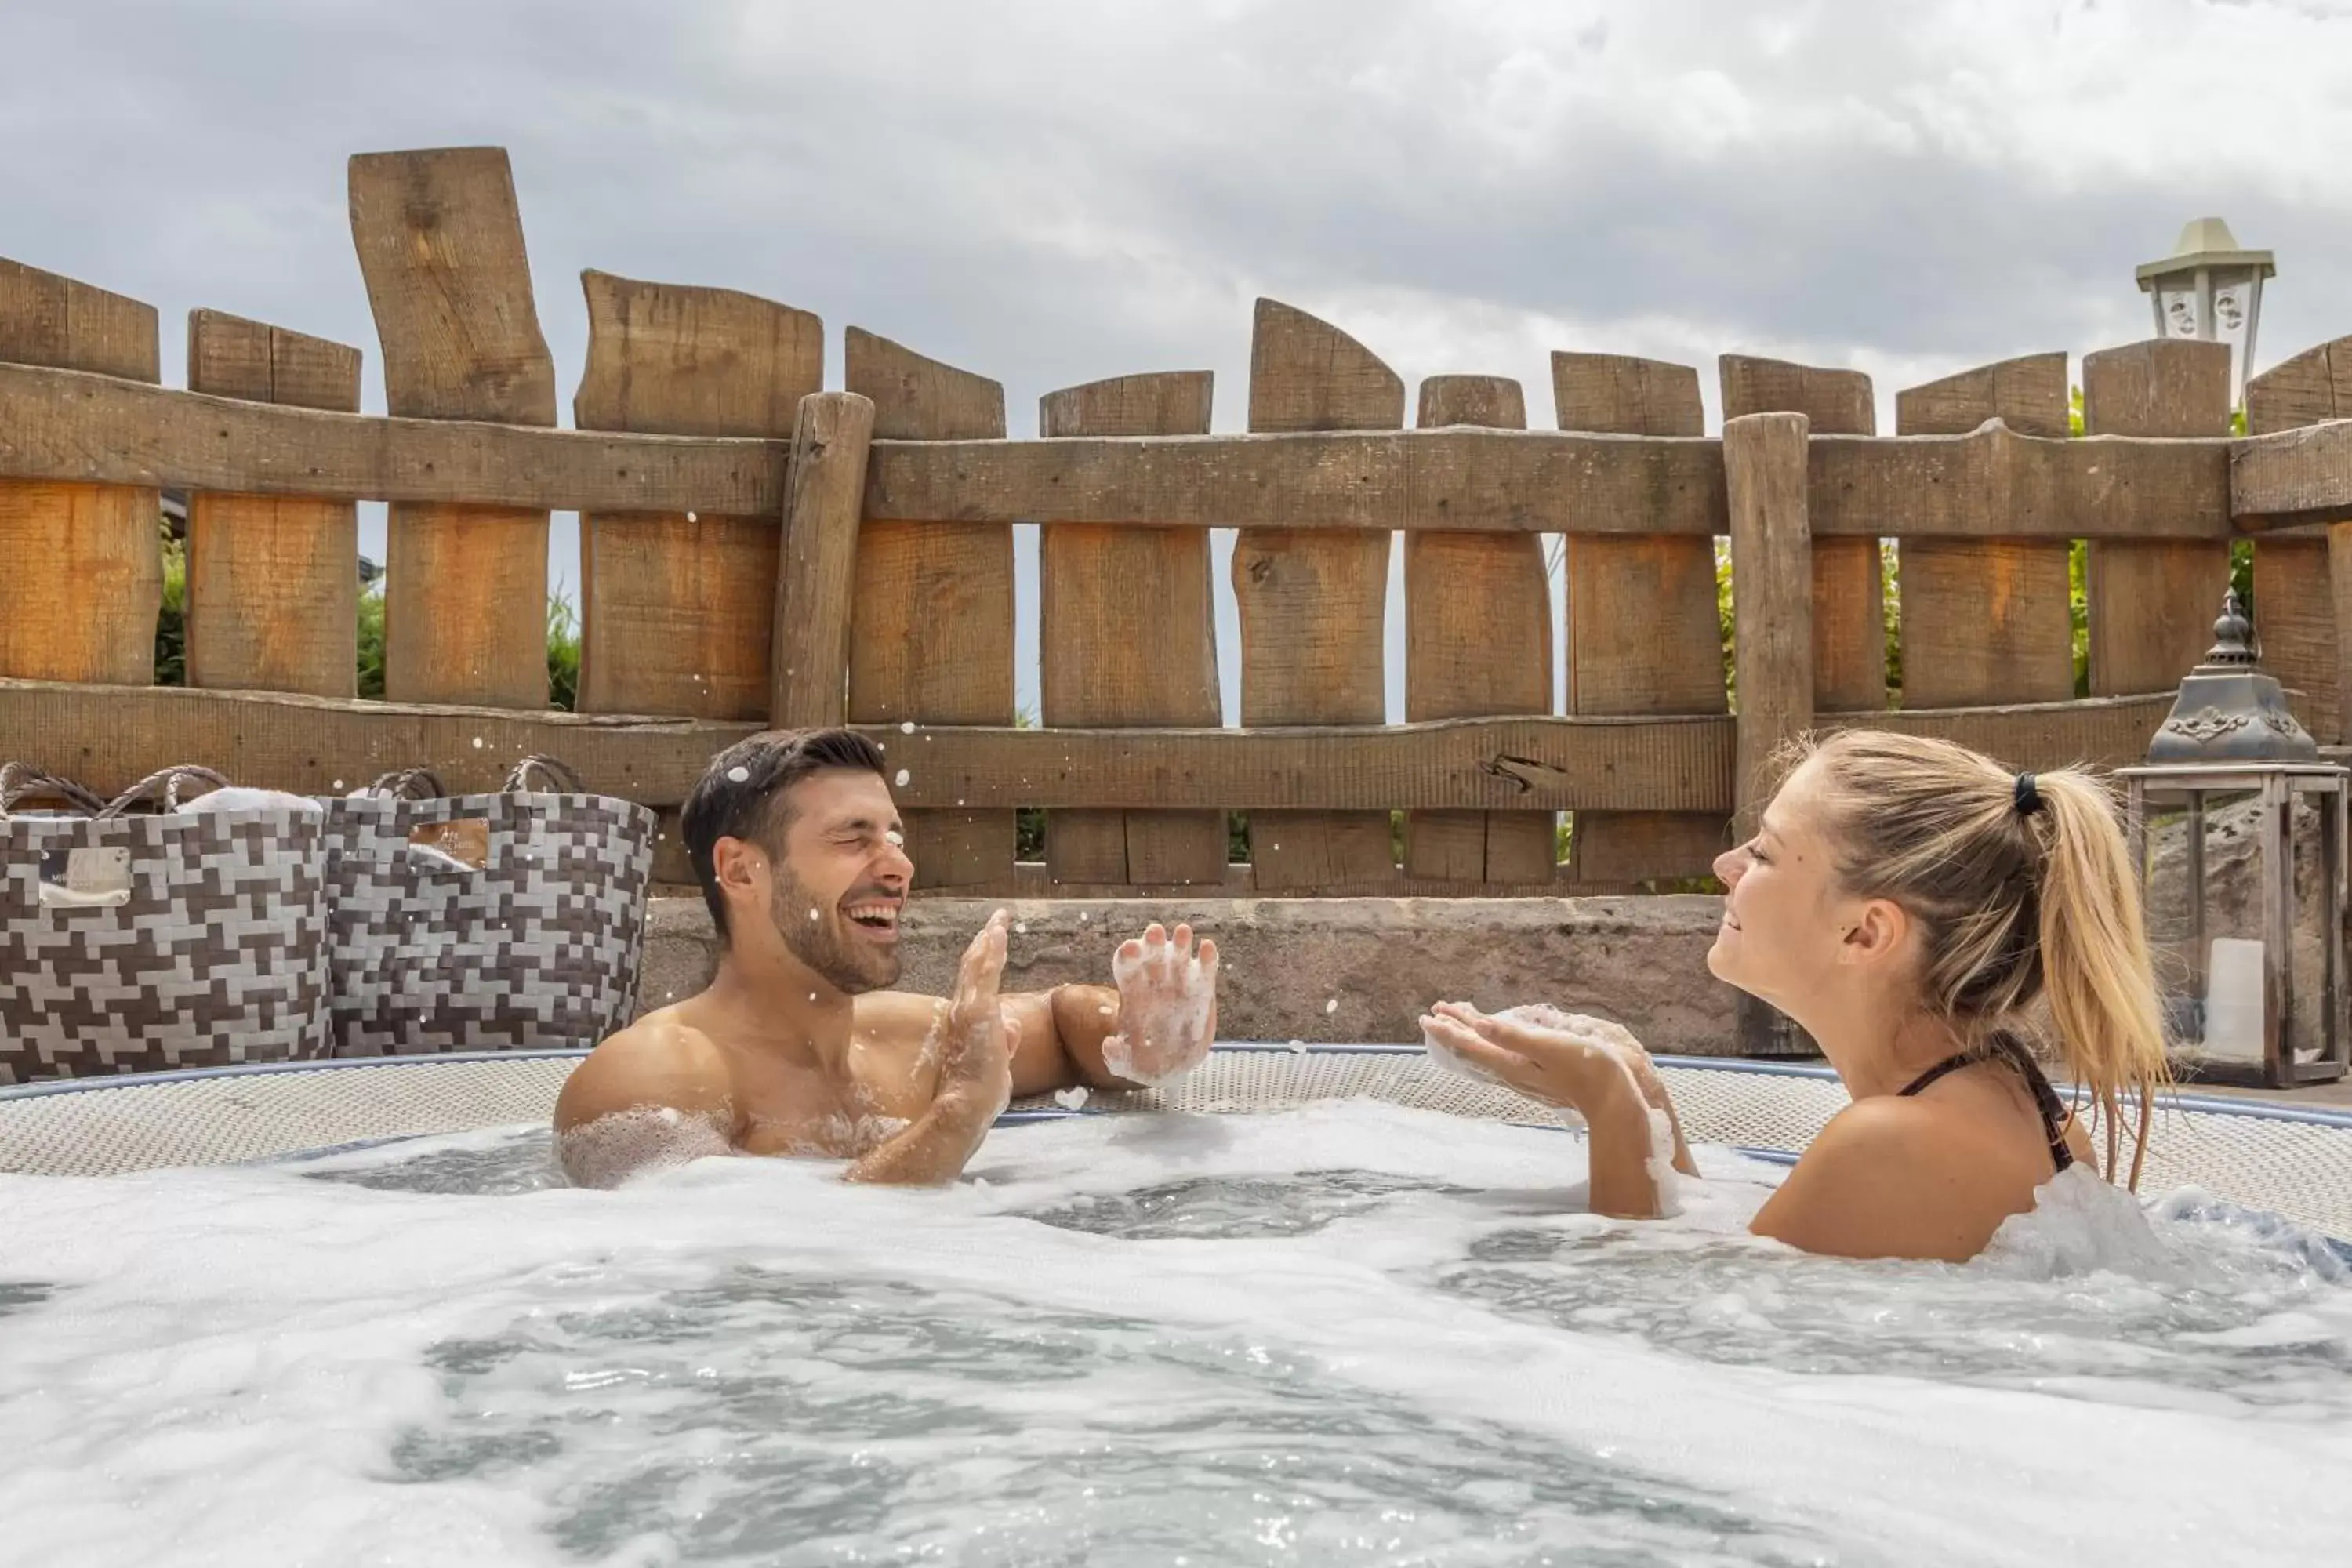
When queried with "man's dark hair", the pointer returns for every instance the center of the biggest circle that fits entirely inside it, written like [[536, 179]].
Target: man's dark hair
[[741, 796]]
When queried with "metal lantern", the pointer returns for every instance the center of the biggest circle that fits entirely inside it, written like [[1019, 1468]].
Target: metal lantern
[[2267, 994], [2210, 289]]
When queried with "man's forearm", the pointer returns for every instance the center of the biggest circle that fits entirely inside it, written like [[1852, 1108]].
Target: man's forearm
[[1084, 1017], [931, 1151]]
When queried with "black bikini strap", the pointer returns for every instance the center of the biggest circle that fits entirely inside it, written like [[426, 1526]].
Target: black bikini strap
[[1951, 1064], [2046, 1098]]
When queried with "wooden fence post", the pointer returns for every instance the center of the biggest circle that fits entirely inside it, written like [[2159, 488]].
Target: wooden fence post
[[675, 609], [1477, 610], [1986, 620], [1849, 613], [932, 611], [273, 581], [81, 566], [1127, 637], [817, 569], [1772, 638], [2297, 613], [1312, 603], [2152, 602], [1644, 629], [440, 244]]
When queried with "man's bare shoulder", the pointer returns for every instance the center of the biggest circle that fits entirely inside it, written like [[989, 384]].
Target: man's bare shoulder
[[661, 1060]]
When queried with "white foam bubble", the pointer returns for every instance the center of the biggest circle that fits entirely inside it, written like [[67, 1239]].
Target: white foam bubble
[[738, 774], [903, 776], [247, 1366], [628, 1144]]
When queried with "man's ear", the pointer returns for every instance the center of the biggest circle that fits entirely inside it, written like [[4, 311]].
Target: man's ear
[[738, 864], [1874, 932]]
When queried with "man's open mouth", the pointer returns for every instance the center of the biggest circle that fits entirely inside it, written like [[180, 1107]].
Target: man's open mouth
[[877, 916]]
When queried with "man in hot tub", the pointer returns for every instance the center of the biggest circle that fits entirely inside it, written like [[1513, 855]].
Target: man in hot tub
[[797, 1047]]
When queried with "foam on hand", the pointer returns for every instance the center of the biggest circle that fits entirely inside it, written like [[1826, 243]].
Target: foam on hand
[[1542, 1015]]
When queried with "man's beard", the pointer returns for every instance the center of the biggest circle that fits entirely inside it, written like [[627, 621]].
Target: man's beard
[[847, 963]]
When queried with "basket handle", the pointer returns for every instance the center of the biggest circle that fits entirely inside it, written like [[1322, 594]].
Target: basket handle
[[165, 783], [565, 781], [21, 780], [408, 784]]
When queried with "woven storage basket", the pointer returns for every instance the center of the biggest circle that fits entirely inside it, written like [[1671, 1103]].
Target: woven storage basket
[[474, 923], [139, 942]]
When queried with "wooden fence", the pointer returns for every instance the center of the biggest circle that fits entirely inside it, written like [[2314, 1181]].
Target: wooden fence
[[757, 549]]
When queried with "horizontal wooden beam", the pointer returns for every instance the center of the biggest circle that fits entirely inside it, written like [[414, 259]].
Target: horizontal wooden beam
[[109, 736], [1991, 483], [106, 737], [64, 425], [2297, 477], [1994, 483], [1456, 478], [2102, 732]]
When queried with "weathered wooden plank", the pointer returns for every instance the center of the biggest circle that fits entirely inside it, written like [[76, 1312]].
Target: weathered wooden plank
[[1849, 598], [2152, 604], [675, 607], [1993, 483], [1778, 604], [101, 734], [810, 636], [683, 605], [108, 736], [440, 244], [1353, 481], [81, 565], [1127, 637], [2299, 478], [2295, 602], [59, 425], [1771, 597], [1987, 620], [1477, 641], [932, 612], [1312, 605], [273, 581], [2102, 732], [1644, 635]]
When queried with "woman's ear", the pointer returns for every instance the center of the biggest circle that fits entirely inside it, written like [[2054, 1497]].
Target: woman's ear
[[1874, 932]]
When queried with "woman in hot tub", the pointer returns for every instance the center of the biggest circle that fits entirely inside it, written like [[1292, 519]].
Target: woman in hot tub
[[1914, 907]]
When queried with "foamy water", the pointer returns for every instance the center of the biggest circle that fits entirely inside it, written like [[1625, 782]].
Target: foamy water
[[1349, 1334]]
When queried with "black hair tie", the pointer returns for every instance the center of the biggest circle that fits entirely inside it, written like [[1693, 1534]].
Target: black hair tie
[[2029, 796]]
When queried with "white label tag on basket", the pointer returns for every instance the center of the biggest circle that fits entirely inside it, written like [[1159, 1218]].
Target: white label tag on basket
[[463, 845], [85, 879]]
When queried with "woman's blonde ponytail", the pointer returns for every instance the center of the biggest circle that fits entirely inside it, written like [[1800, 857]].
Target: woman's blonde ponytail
[[2094, 958]]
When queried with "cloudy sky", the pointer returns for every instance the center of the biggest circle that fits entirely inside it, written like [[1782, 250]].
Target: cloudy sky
[[1051, 193]]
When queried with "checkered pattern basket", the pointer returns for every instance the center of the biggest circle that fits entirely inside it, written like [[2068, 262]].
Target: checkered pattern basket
[[485, 921], [143, 943]]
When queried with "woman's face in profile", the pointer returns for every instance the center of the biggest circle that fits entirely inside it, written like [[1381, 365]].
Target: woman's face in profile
[[1779, 936]]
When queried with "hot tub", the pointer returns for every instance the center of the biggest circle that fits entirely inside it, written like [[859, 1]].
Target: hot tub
[[348, 1313]]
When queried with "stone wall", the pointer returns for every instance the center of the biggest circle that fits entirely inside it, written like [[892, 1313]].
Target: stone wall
[[1326, 969]]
